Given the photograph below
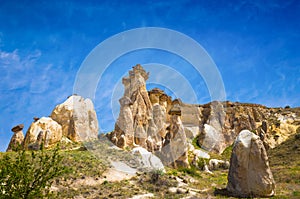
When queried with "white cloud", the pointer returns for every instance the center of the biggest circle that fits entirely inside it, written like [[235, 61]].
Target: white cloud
[[16, 70]]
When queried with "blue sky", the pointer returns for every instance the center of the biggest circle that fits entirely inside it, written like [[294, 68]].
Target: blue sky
[[255, 45]]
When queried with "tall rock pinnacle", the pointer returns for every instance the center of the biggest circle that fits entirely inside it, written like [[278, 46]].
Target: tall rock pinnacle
[[144, 120]]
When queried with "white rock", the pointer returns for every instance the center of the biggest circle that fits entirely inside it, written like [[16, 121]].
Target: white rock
[[191, 131], [149, 160], [77, 118], [213, 139], [249, 173], [201, 154]]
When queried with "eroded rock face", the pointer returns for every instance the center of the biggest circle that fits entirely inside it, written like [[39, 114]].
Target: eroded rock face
[[144, 120], [135, 111], [77, 118], [249, 172], [226, 119], [17, 138], [45, 130]]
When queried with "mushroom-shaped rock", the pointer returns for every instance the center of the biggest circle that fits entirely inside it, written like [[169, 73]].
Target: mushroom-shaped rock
[[17, 139], [249, 171]]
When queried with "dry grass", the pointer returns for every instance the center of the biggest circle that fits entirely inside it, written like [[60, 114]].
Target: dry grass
[[83, 164]]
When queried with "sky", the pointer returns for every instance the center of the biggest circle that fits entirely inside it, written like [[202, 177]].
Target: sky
[[254, 44]]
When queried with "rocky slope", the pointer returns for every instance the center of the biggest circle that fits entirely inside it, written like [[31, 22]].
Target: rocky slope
[[220, 123]]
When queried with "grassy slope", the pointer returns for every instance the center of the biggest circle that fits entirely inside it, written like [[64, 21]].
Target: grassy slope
[[82, 164], [285, 165]]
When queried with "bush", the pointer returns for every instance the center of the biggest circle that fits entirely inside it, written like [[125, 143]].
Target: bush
[[155, 175], [29, 174], [201, 163]]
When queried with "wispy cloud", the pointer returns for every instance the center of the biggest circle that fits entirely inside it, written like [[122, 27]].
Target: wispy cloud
[[28, 88]]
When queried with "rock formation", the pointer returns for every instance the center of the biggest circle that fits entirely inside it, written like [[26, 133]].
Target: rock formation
[[220, 123], [44, 131], [74, 120], [77, 118], [17, 138], [144, 120], [149, 161], [135, 111], [249, 172], [174, 151]]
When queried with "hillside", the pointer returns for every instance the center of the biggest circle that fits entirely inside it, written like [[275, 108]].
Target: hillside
[[90, 175]]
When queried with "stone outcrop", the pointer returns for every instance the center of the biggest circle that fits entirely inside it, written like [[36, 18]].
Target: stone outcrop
[[175, 149], [78, 119], [17, 138], [144, 119], [220, 123], [149, 161], [135, 112], [44, 131], [215, 164], [74, 120], [249, 172]]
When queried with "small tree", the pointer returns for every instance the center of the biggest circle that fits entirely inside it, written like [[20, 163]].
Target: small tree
[[29, 174]]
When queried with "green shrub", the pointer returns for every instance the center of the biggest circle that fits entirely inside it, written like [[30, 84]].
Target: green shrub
[[155, 175], [195, 143], [227, 152], [26, 174], [192, 171], [201, 163]]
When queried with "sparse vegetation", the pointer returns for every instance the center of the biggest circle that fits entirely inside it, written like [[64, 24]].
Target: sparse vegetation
[[195, 143], [25, 174], [86, 178], [201, 163]]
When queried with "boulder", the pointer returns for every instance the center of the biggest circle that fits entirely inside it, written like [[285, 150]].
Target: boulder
[[249, 171], [201, 154], [45, 130], [77, 118], [17, 138], [211, 139], [149, 161], [191, 131], [17, 128], [215, 164]]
